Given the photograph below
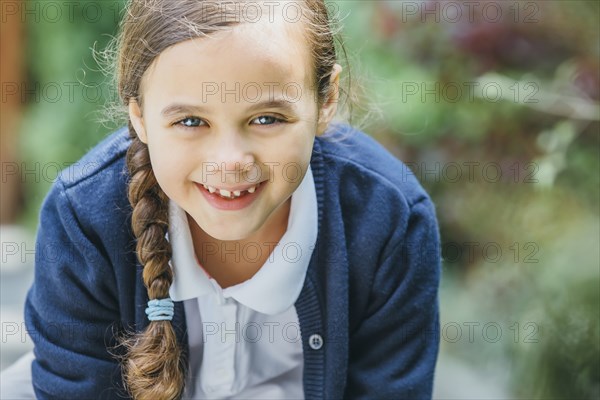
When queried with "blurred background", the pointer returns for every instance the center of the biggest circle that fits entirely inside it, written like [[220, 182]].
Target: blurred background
[[493, 104]]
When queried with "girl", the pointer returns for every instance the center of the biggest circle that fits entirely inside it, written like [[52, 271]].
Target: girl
[[232, 242]]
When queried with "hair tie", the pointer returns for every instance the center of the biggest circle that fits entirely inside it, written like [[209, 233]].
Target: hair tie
[[160, 310]]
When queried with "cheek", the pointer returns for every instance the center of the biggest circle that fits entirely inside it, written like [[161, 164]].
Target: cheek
[[297, 143], [168, 166], [293, 161], [166, 153]]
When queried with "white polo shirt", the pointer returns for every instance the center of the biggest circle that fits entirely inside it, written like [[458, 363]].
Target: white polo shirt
[[245, 340]]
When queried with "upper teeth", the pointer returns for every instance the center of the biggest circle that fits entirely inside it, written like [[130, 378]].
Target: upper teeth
[[227, 193]]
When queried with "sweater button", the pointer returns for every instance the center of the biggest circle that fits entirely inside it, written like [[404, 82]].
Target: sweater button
[[315, 341]]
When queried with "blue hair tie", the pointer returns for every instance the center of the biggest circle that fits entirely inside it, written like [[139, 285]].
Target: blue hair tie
[[160, 310]]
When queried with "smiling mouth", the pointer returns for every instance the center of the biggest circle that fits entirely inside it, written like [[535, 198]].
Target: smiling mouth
[[231, 195]]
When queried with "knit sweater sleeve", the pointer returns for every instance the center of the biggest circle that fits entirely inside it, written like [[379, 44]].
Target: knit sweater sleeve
[[394, 350], [71, 308]]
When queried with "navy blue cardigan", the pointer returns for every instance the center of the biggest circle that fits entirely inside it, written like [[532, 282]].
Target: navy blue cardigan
[[371, 290]]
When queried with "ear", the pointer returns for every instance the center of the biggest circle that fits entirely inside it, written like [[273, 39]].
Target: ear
[[329, 108], [135, 115]]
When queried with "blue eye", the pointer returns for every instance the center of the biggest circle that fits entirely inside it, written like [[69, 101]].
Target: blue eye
[[195, 122], [190, 122], [268, 120]]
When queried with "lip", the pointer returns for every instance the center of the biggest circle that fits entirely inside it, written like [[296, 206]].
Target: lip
[[235, 188], [239, 203]]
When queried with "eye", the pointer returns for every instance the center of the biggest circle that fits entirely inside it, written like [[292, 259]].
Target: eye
[[268, 120], [189, 122]]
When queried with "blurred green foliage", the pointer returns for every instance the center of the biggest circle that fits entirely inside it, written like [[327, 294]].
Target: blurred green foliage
[[60, 121], [521, 252], [537, 124]]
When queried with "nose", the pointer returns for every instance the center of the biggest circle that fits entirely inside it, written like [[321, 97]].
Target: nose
[[233, 154]]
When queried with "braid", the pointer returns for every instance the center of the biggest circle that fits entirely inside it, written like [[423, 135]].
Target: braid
[[152, 366]]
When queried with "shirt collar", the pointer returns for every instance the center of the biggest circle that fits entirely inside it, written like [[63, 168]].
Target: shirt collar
[[277, 284]]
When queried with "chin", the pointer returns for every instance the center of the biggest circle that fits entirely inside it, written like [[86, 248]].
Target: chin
[[227, 234]]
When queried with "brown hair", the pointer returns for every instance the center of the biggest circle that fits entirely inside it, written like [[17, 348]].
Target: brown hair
[[152, 364]]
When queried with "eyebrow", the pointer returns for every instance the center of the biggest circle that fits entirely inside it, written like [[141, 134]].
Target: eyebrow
[[181, 108]]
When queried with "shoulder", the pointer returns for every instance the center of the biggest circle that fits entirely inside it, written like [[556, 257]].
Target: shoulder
[[374, 194], [100, 173], [101, 159], [87, 214], [384, 214], [360, 158], [93, 190]]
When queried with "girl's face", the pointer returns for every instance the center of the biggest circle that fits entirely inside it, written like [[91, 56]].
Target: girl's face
[[235, 115]]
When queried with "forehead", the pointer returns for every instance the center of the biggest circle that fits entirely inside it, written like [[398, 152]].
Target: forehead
[[272, 50]]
